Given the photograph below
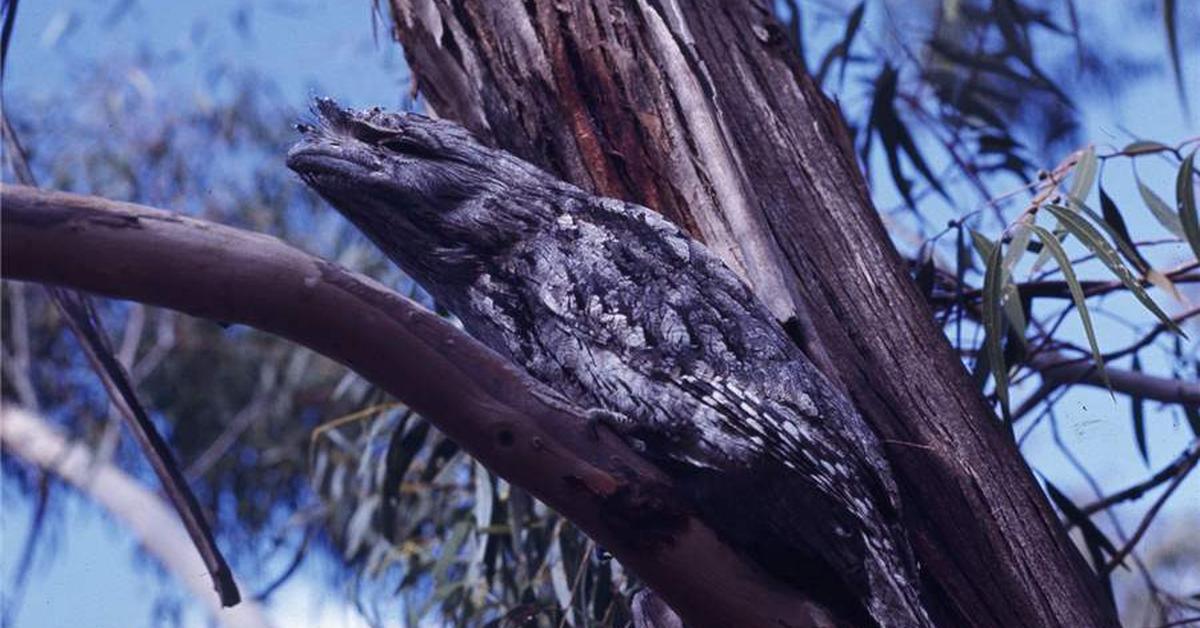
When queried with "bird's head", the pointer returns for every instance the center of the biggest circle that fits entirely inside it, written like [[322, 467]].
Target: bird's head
[[437, 201]]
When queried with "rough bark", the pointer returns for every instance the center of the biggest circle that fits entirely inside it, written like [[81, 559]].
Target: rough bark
[[149, 519], [699, 110], [619, 310], [519, 429]]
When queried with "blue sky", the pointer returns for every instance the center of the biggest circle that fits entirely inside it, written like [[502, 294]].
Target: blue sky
[[306, 46], [314, 47], [92, 570]]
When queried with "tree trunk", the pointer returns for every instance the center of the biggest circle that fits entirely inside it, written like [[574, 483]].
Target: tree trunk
[[701, 111]]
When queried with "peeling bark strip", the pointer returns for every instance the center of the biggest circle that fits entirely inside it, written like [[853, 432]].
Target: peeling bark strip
[[697, 109]]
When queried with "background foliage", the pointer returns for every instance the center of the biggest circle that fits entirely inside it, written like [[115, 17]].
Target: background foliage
[[1032, 242]]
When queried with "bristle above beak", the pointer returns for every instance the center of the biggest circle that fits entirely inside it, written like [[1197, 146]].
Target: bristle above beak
[[330, 113]]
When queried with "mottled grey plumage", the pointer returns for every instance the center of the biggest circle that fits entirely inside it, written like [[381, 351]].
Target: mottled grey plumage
[[617, 309]]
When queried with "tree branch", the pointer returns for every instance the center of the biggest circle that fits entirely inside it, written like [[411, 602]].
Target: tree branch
[[1173, 470], [699, 110], [1119, 557], [519, 429], [80, 314], [1058, 370], [150, 520], [1062, 370]]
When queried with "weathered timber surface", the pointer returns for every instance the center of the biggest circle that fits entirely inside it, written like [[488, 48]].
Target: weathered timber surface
[[698, 110], [619, 310], [520, 429]]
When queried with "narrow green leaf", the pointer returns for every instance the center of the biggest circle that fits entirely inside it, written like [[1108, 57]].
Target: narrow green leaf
[[827, 60], [1162, 212], [1017, 246], [1173, 48], [449, 550], [1014, 311], [1064, 263], [1115, 224], [402, 450], [1138, 408], [1085, 175], [486, 503], [964, 262], [963, 257], [560, 582], [1144, 147], [1081, 185], [852, 25], [437, 597], [1185, 201], [1073, 514], [982, 245], [993, 325], [603, 595], [1095, 242], [360, 524], [925, 275], [485, 496], [1095, 540], [1044, 255], [1001, 144], [441, 459], [1073, 16]]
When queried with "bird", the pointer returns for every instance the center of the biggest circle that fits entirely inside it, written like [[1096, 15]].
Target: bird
[[620, 311]]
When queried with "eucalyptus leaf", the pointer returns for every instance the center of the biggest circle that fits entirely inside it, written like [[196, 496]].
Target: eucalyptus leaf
[[1017, 247], [449, 551], [1144, 147], [1085, 175], [1081, 185], [1115, 225], [993, 325], [1185, 200], [1018, 244], [560, 582], [483, 511], [1138, 410], [1169, 14], [1064, 263], [1098, 544], [852, 24], [1014, 310], [1161, 210], [1095, 242], [982, 245], [360, 525]]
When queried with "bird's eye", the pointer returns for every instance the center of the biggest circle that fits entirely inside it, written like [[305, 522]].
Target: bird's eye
[[396, 140], [372, 134], [409, 146]]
